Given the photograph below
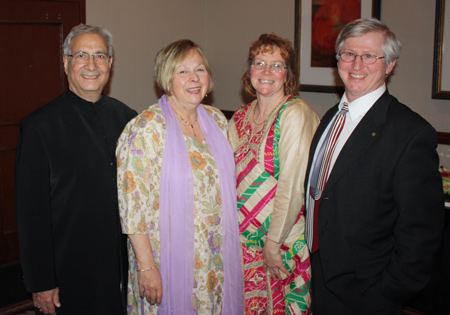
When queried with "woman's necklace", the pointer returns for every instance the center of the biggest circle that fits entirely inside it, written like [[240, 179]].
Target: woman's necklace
[[270, 114], [188, 123], [254, 120]]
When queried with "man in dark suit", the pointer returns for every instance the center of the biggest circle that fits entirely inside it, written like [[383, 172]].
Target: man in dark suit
[[66, 194], [374, 199]]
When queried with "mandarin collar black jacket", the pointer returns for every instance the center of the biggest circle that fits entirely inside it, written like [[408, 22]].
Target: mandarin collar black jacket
[[66, 202]]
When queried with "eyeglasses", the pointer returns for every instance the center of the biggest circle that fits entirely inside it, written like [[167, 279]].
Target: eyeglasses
[[368, 59], [277, 67], [82, 57]]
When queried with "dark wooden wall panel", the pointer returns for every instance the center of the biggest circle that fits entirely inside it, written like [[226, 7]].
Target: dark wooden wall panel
[[31, 74]]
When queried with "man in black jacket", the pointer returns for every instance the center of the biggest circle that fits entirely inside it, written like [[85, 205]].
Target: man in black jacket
[[66, 195], [375, 204]]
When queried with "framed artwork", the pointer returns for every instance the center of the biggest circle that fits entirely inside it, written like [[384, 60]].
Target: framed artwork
[[444, 138], [317, 25], [443, 150], [441, 63]]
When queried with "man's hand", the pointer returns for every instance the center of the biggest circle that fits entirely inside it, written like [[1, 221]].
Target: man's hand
[[46, 301]]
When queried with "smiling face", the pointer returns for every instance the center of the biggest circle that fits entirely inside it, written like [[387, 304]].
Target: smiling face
[[267, 82], [360, 79], [190, 82], [87, 80]]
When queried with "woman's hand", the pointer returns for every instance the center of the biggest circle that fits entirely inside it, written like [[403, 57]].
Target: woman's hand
[[150, 283], [150, 286], [273, 262]]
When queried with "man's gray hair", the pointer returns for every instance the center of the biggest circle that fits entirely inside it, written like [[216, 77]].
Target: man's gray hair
[[88, 29], [357, 28]]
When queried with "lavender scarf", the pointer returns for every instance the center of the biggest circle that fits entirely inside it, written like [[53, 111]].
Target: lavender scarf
[[176, 223]]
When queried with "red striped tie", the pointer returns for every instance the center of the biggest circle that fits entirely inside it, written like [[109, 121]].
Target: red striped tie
[[322, 168]]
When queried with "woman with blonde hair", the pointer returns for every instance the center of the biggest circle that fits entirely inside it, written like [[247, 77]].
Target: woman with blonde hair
[[177, 196]]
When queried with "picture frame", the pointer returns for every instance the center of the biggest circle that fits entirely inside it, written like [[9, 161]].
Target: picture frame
[[319, 74], [443, 151], [443, 137], [441, 60]]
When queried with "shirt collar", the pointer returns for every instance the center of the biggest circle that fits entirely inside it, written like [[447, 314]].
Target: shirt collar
[[83, 104], [361, 105]]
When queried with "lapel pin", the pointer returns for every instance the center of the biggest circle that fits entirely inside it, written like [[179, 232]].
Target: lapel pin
[[374, 134]]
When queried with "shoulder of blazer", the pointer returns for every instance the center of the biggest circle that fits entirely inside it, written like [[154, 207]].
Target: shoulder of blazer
[[387, 109], [319, 131], [329, 114], [324, 123]]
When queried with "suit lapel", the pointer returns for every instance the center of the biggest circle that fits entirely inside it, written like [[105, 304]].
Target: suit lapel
[[367, 131]]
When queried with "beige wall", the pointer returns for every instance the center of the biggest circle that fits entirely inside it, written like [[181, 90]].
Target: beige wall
[[226, 28], [140, 29]]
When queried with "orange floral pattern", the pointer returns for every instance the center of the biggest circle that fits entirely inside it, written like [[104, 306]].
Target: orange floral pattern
[[212, 281], [128, 182], [197, 161], [142, 226]]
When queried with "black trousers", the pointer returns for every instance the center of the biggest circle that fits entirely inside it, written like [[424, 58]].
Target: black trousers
[[324, 302]]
